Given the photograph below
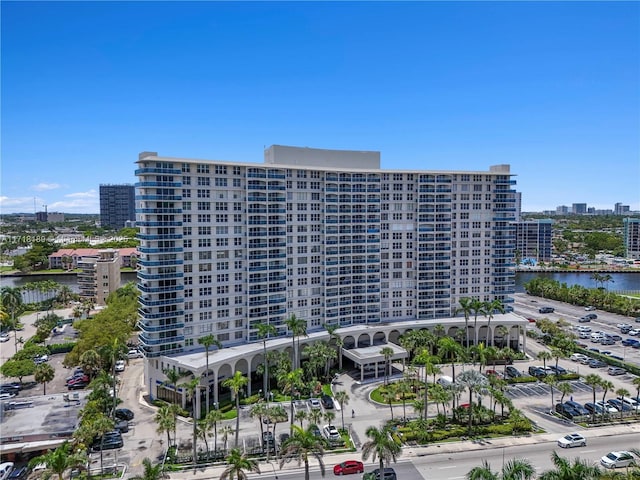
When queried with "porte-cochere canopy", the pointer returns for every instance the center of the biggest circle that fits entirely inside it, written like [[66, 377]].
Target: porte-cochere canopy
[[504, 329]]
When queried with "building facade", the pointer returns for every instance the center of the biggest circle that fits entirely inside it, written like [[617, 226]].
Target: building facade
[[534, 240], [324, 235], [117, 205], [632, 238], [99, 275]]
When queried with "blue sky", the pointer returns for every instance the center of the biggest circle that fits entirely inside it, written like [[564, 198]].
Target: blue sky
[[551, 88]]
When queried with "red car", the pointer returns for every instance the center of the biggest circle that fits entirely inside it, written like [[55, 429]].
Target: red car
[[350, 466]]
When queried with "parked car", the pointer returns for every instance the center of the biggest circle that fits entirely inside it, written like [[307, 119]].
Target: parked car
[[7, 395], [347, 467], [584, 319], [41, 359], [557, 370], [589, 308], [314, 403], [546, 310], [327, 401], [619, 405], [110, 441], [631, 402], [19, 473], [331, 433], [122, 426], [617, 459], [606, 407], [119, 366], [634, 332], [388, 474], [591, 316], [595, 363], [566, 411], [5, 470], [4, 337], [626, 329], [512, 372], [629, 342], [134, 354], [578, 357], [572, 440], [577, 407], [315, 431], [536, 371], [594, 408], [616, 371], [607, 340], [77, 385], [124, 414]]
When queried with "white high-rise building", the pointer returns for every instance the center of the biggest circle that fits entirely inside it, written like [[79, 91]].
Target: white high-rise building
[[325, 235]]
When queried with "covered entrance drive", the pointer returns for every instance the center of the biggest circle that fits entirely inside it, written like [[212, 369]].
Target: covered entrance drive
[[371, 359]]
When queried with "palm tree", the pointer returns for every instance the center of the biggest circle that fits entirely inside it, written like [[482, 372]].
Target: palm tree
[[91, 362], [297, 327], [300, 446], [552, 381], [466, 308], [173, 375], [290, 382], [237, 465], [11, 299], [387, 353], [207, 342], [301, 416], [636, 383], [449, 348], [225, 431], [490, 308], [380, 445], [191, 387], [474, 381], [151, 471], [621, 393], [342, 398], [333, 336], [478, 307], [165, 419], [544, 356], [44, 374], [211, 420], [388, 394], [515, 469], [59, 460], [594, 381], [565, 389], [566, 470], [265, 330], [236, 384]]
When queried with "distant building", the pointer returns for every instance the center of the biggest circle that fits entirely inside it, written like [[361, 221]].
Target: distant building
[[533, 240], [117, 205], [579, 208], [632, 238], [68, 258], [99, 275], [620, 209], [562, 210], [50, 217]]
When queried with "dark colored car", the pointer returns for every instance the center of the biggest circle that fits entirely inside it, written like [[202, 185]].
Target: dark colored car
[[79, 385], [122, 426], [315, 430], [591, 316], [19, 473], [327, 401], [546, 310], [619, 405], [577, 407], [557, 370], [594, 408], [566, 411], [629, 342], [124, 414], [512, 372], [538, 372], [110, 441], [584, 319], [595, 363], [387, 474]]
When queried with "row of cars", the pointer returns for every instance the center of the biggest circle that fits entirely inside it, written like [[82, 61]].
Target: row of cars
[[355, 466], [618, 459], [596, 363], [572, 410]]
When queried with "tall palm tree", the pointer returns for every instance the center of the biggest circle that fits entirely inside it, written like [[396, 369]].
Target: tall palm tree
[[44, 374], [387, 353], [173, 375], [478, 307], [151, 471], [333, 336], [466, 307], [237, 465], [490, 308], [265, 330], [342, 398], [212, 419], [515, 469], [388, 394], [565, 389], [594, 382], [544, 356], [290, 382], [297, 327], [191, 387], [622, 392], [567, 470], [207, 342], [301, 445], [236, 384], [58, 461], [552, 381], [381, 446], [473, 381], [165, 419], [449, 348]]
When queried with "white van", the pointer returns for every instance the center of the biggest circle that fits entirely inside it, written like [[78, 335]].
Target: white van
[[445, 381], [5, 469]]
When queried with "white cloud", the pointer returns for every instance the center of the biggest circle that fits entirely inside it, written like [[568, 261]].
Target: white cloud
[[88, 194], [16, 204], [40, 187]]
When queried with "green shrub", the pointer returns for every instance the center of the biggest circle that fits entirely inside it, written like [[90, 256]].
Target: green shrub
[[61, 347]]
